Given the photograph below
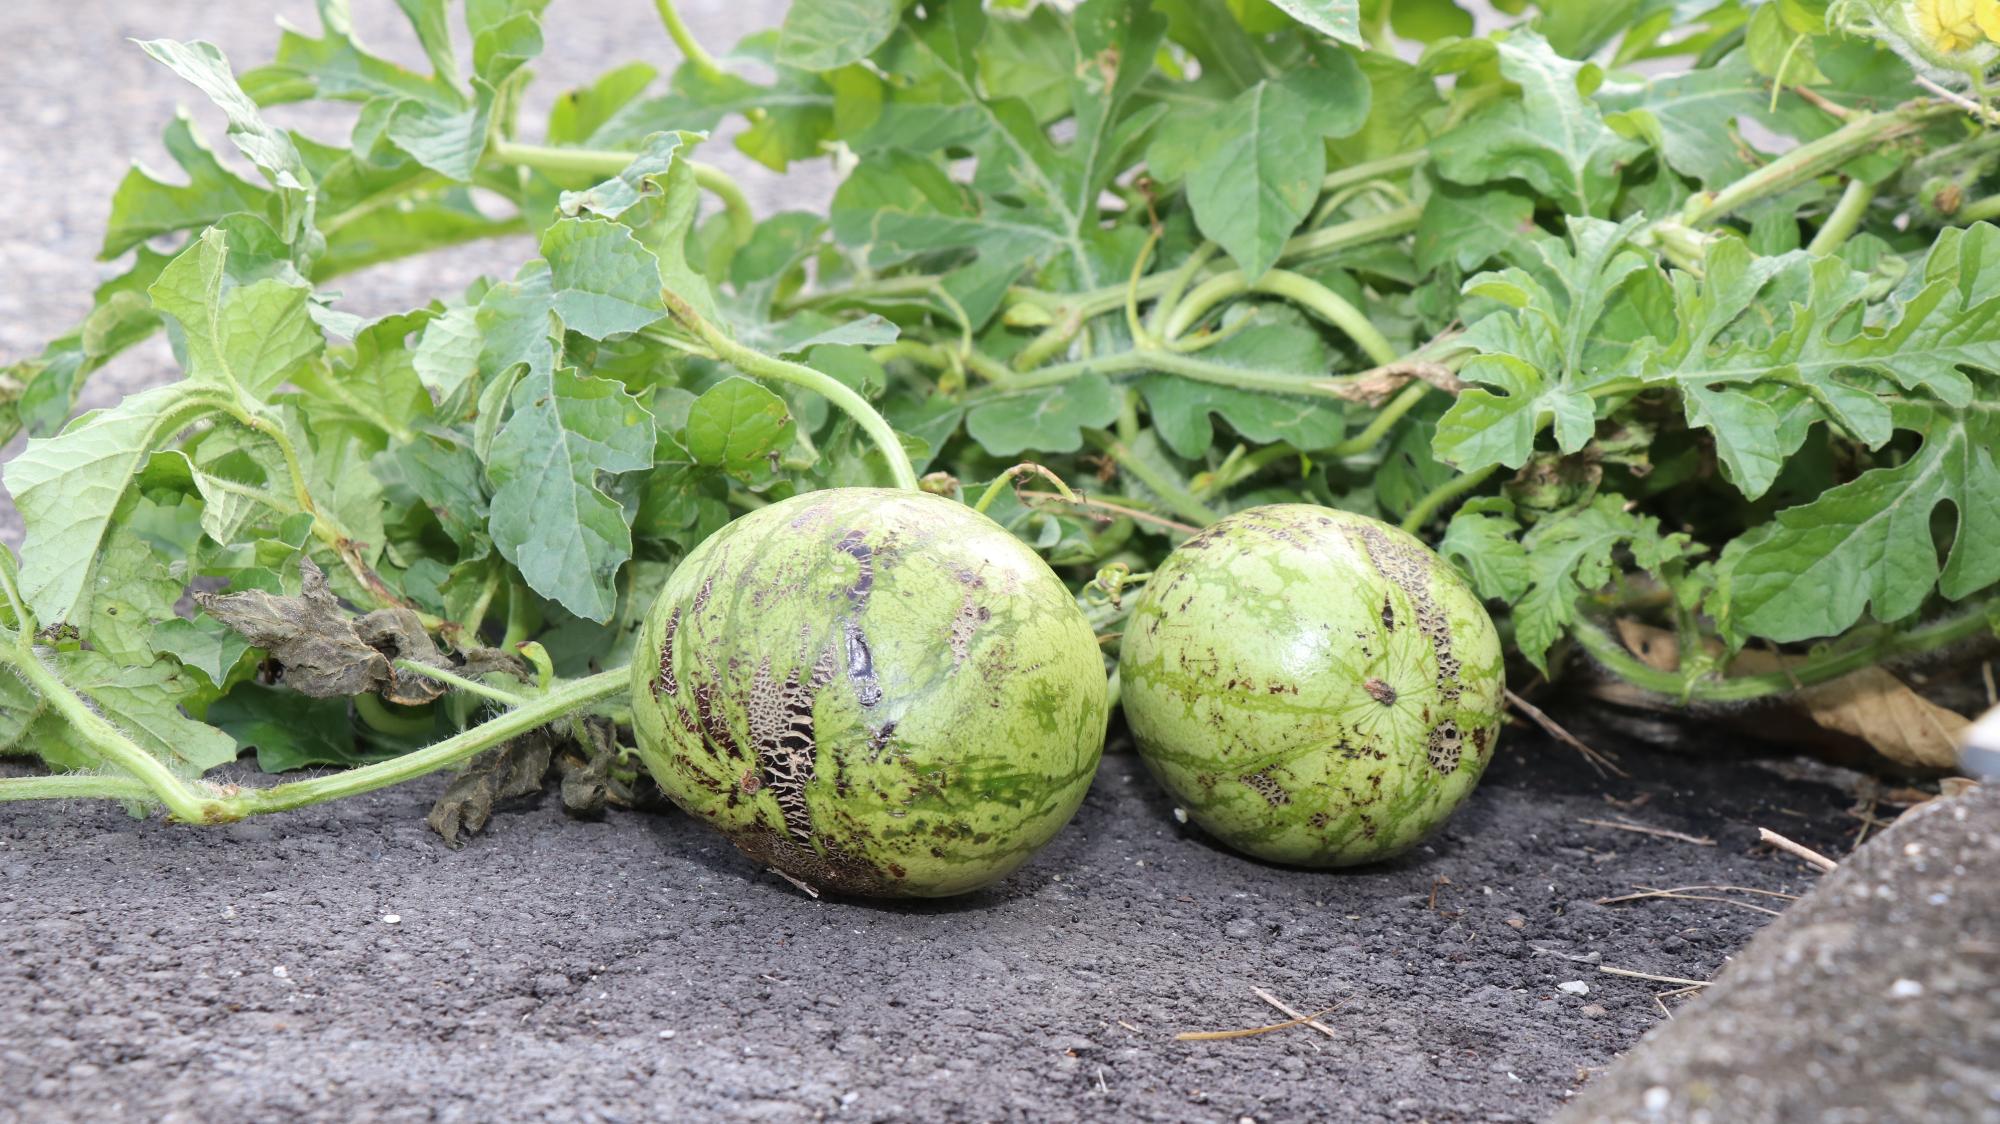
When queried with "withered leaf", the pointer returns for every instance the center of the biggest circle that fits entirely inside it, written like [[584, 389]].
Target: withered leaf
[[325, 652], [310, 636], [512, 769], [481, 662], [1871, 704], [399, 635], [599, 773]]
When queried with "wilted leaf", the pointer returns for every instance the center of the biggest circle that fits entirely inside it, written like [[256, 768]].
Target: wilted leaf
[[323, 651], [1872, 704], [513, 769]]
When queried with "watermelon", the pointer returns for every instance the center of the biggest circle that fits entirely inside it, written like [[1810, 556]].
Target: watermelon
[[874, 692], [1312, 687]]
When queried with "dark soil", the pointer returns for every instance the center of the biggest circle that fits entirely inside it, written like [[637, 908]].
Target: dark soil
[[639, 967]]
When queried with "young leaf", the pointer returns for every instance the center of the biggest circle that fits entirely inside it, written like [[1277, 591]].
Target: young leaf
[[245, 338], [144, 702], [1483, 540], [579, 114], [269, 148], [448, 141], [202, 645], [825, 34], [69, 487], [548, 516], [1049, 420], [622, 192], [1469, 227], [1758, 390], [1553, 136], [1692, 117], [1538, 354], [1571, 554], [736, 424], [1335, 19], [1261, 172], [605, 281]]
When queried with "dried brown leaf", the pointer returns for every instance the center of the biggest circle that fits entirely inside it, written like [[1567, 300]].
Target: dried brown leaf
[[399, 635], [324, 651], [512, 769], [1872, 704], [310, 636]]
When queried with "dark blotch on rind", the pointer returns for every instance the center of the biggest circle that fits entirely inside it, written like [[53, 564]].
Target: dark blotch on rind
[[1446, 746], [1408, 567], [667, 681], [1267, 786], [781, 728], [860, 664], [857, 548]]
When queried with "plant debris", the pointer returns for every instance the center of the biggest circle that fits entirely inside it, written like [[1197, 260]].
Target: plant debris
[[323, 651]]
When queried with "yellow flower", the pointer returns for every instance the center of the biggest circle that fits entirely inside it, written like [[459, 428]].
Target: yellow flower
[[1951, 25], [1986, 13]]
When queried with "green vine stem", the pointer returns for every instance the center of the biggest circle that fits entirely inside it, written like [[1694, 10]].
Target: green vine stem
[[1979, 210], [1379, 426], [696, 55], [1110, 298], [1171, 492], [1024, 469], [201, 803], [607, 162], [1169, 297], [557, 704], [1844, 219], [1373, 170], [1443, 494], [460, 682], [1295, 287], [1820, 667], [757, 364], [75, 786], [182, 799], [1816, 158], [1141, 360]]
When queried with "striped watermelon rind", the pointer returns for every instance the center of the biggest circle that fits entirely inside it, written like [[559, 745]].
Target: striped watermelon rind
[[876, 692]]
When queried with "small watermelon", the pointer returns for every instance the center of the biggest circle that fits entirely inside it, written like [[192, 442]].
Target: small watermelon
[[875, 692], [1313, 687]]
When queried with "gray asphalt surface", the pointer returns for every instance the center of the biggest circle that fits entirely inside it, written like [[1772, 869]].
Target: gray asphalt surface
[[340, 964]]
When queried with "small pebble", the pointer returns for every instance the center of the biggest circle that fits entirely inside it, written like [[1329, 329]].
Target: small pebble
[[1592, 1011], [392, 919], [666, 1034], [1573, 987], [1905, 989], [1517, 923], [280, 972]]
